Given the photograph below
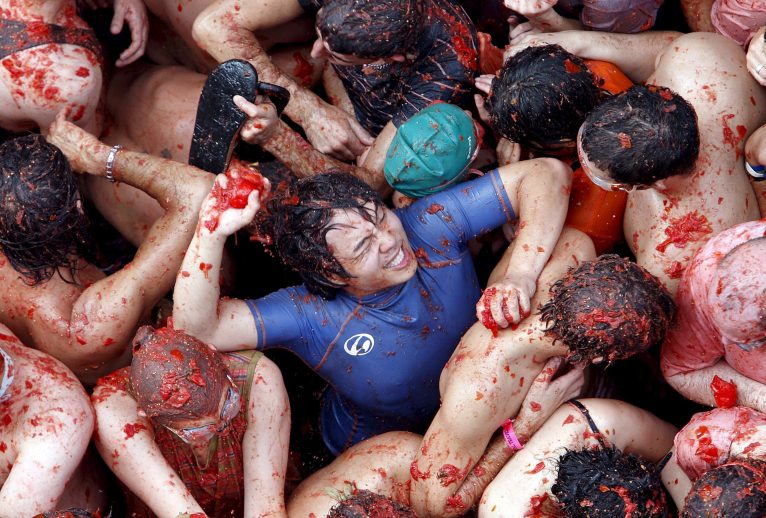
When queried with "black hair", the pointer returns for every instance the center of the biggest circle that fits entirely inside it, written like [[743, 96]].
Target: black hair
[[609, 308], [642, 135], [542, 96], [606, 482], [370, 28], [362, 503], [42, 226], [297, 221], [734, 489]]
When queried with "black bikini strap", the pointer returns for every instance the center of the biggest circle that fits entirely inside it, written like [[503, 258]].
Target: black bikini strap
[[593, 428]]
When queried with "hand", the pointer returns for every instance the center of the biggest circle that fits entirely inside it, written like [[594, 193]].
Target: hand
[[756, 57], [508, 152], [218, 218], [134, 13], [530, 8], [262, 119], [85, 152], [334, 132], [484, 84], [507, 302], [546, 394]]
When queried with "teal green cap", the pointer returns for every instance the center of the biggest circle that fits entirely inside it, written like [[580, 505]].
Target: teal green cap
[[431, 151]]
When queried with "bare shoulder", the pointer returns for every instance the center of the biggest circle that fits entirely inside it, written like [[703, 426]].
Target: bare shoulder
[[710, 72]]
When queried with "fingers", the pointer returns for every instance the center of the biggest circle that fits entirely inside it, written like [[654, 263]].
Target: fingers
[[484, 82], [244, 105], [525, 306], [261, 120], [571, 383], [509, 309], [481, 108], [118, 20], [365, 138], [550, 368]]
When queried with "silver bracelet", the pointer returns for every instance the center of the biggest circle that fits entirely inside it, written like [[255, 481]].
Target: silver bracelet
[[110, 162]]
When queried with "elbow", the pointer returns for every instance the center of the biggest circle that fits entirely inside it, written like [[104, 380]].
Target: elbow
[[204, 28], [557, 173]]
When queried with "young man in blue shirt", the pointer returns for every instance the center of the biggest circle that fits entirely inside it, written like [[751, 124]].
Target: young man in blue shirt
[[387, 294]]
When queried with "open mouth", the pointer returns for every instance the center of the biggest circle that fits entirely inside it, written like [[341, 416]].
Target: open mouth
[[398, 260]]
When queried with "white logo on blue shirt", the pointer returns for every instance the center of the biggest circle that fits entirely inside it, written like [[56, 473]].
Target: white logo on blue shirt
[[359, 345]]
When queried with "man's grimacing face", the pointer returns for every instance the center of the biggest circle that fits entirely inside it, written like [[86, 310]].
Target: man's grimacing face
[[376, 253]]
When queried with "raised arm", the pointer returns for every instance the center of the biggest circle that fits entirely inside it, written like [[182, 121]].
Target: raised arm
[[198, 309], [225, 31], [634, 54], [539, 194], [266, 443], [105, 316]]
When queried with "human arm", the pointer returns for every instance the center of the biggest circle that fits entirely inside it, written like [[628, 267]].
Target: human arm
[[634, 54], [695, 385], [266, 442], [543, 398], [676, 481], [225, 31], [126, 442], [456, 444], [264, 128], [104, 317], [198, 309], [539, 193]]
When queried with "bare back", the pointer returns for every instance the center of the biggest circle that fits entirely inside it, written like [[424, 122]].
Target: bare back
[[665, 227]]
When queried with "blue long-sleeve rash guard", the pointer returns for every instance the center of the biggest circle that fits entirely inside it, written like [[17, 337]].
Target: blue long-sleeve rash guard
[[382, 354]]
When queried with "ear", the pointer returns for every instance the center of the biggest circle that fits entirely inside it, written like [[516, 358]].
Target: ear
[[398, 57], [660, 185]]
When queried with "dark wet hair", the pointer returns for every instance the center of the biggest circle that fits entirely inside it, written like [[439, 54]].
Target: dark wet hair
[[643, 135], [606, 482], [542, 96], [366, 504], [610, 308], [370, 29], [42, 227], [298, 219], [737, 488]]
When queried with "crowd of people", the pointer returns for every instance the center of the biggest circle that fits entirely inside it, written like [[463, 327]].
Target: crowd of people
[[510, 247]]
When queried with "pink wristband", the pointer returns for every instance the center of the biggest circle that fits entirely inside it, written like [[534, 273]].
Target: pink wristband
[[510, 436]]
